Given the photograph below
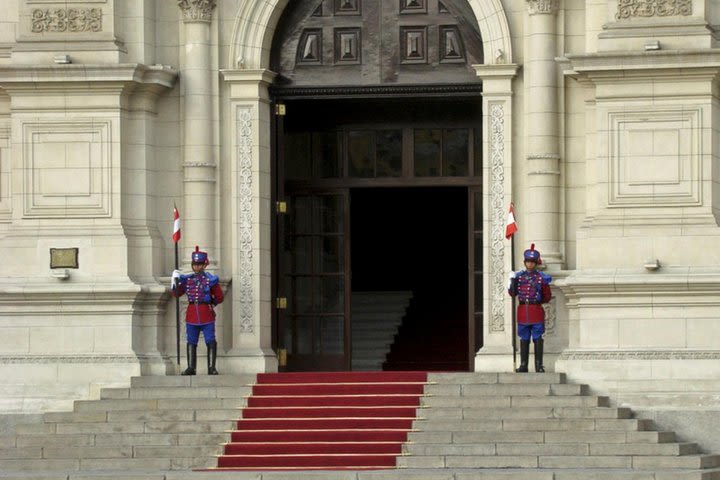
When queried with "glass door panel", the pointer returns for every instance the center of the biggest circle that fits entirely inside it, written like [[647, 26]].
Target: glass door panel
[[316, 253]]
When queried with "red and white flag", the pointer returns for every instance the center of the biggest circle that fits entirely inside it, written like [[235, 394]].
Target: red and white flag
[[511, 226], [176, 225]]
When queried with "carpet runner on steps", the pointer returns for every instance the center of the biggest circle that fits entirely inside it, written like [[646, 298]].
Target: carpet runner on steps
[[325, 421]]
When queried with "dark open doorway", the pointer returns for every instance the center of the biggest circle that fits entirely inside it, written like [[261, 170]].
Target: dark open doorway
[[414, 240]]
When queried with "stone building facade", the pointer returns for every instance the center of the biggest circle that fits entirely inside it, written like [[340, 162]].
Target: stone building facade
[[599, 122]]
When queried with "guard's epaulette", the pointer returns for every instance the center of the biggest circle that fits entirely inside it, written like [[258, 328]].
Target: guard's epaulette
[[546, 278], [185, 276], [214, 279]]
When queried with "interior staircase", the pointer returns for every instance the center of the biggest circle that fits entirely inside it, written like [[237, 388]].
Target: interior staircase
[[432, 337], [376, 317], [451, 426]]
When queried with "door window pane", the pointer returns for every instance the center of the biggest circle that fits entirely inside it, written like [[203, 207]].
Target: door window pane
[[298, 158], [331, 335], [361, 151], [331, 211], [303, 329], [302, 295], [302, 259], [427, 152], [389, 153], [301, 215], [330, 255], [455, 152], [330, 155], [332, 294]]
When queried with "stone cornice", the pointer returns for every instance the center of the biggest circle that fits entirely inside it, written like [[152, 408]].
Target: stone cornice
[[197, 10], [705, 62], [161, 75], [539, 7]]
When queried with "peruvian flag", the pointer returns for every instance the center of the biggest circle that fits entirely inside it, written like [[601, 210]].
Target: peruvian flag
[[176, 225], [511, 226]]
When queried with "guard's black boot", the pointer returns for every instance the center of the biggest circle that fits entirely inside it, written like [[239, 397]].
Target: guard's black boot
[[212, 357], [539, 355], [524, 354], [192, 360]]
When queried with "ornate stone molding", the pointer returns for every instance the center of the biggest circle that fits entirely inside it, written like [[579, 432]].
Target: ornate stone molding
[[245, 266], [641, 355], [536, 7], [197, 10], [58, 20], [497, 207], [76, 358], [550, 315], [653, 8]]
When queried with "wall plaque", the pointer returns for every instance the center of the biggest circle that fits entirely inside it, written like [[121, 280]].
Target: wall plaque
[[64, 257]]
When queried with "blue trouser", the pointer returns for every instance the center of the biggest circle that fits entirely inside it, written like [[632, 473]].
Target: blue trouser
[[526, 330], [193, 332]]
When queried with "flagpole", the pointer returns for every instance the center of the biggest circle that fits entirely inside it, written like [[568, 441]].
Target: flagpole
[[510, 230], [176, 240], [177, 312], [514, 313]]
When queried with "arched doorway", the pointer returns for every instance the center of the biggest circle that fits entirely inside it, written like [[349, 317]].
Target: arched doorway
[[377, 125]]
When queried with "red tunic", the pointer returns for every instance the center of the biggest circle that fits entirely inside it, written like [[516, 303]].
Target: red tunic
[[203, 292]]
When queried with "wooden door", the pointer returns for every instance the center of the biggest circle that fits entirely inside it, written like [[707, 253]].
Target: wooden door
[[315, 278]]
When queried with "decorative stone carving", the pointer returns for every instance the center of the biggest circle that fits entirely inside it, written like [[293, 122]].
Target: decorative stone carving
[[653, 8], [197, 10], [56, 20], [497, 206], [550, 315], [245, 175], [641, 355], [543, 6]]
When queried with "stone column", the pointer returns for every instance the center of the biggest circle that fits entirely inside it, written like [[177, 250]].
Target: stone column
[[199, 164], [251, 212], [542, 215], [496, 353]]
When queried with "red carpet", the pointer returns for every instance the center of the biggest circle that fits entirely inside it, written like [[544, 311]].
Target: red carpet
[[325, 421]]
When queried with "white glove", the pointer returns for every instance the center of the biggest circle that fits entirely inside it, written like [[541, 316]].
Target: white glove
[[175, 278], [511, 277]]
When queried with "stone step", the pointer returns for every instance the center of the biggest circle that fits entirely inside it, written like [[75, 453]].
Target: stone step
[[541, 425], [229, 414], [558, 461], [119, 439], [239, 380], [527, 412], [501, 389], [192, 426], [200, 393], [550, 449], [604, 437], [472, 378], [517, 401], [89, 406]]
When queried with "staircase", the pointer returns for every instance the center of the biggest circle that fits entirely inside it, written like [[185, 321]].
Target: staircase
[[158, 424], [432, 337], [457, 426], [526, 422], [376, 317], [315, 421]]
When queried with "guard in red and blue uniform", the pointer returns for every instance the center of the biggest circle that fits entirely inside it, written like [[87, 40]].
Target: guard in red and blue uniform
[[532, 289], [203, 293]]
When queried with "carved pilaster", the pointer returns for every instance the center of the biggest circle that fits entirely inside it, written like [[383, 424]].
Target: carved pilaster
[[543, 6], [497, 202], [197, 10]]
